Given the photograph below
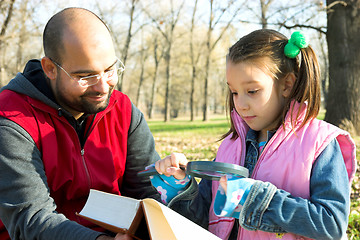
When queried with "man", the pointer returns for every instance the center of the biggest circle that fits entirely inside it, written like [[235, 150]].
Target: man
[[68, 132]]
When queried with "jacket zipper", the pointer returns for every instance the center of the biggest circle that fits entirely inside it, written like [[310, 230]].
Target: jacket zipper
[[82, 152], [86, 168]]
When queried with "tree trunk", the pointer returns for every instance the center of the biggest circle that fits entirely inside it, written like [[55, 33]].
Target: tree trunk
[[143, 58], [4, 26], [151, 104], [192, 91], [167, 88], [22, 37], [211, 45], [264, 6], [343, 37], [207, 67], [193, 63], [125, 50], [325, 71], [207, 64], [157, 60]]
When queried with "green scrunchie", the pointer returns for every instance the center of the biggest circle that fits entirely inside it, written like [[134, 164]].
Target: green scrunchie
[[295, 43]]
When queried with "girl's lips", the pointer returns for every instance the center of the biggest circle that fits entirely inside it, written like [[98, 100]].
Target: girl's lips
[[249, 118]]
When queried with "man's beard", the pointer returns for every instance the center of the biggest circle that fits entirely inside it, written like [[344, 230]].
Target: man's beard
[[90, 108], [80, 104]]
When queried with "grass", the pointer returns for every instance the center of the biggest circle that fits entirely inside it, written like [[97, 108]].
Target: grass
[[198, 140], [354, 220]]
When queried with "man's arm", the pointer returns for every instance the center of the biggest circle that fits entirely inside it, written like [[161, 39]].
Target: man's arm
[[26, 208], [140, 153]]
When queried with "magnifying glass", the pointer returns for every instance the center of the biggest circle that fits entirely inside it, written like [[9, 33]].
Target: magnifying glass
[[207, 169]]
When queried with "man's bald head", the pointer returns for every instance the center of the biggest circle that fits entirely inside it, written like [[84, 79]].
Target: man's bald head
[[67, 21]]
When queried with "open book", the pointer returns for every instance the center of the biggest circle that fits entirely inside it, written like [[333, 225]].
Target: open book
[[124, 214]]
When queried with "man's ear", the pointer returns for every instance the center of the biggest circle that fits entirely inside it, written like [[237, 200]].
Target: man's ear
[[288, 84], [49, 68]]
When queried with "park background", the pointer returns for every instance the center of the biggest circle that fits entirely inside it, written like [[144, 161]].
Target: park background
[[174, 53]]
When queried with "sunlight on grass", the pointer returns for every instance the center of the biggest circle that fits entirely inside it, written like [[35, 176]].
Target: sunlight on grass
[[198, 140]]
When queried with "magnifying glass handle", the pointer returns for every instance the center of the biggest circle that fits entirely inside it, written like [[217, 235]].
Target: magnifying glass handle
[[152, 171]]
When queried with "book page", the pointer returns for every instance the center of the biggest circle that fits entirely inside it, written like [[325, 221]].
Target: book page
[[157, 224], [111, 209], [161, 218]]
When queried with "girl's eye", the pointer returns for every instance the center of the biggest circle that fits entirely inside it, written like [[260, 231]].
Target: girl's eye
[[234, 93], [253, 91]]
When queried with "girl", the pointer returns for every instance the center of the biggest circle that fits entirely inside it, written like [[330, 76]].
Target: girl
[[301, 168]]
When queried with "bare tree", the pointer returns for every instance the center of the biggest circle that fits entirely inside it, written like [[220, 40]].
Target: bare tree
[[210, 45], [194, 61], [325, 68], [23, 36], [130, 33], [143, 57], [7, 16], [264, 5], [125, 50], [157, 58], [300, 14], [343, 35], [168, 33]]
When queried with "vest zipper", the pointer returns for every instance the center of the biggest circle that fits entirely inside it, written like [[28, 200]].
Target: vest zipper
[[86, 168], [262, 153]]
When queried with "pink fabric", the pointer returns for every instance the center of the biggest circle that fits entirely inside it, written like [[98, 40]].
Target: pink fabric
[[281, 163]]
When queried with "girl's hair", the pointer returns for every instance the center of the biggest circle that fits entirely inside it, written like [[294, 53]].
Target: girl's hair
[[266, 47]]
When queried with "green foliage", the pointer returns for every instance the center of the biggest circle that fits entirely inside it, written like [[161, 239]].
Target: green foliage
[[354, 225], [198, 140]]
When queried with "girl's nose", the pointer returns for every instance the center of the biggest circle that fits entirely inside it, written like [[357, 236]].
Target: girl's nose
[[241, 103]]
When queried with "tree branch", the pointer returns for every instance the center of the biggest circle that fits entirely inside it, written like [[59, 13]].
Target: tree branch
[[7, 19], [319, 29]]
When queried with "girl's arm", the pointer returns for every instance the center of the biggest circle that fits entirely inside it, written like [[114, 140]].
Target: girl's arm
[[323, 216]]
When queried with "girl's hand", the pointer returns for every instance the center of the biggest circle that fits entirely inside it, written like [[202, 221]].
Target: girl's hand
[[170, 165], [223, 183]]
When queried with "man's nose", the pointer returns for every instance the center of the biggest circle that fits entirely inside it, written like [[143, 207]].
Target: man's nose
[[102, 86]]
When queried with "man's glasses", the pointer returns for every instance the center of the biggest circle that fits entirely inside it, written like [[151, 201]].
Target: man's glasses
[[110, 74]]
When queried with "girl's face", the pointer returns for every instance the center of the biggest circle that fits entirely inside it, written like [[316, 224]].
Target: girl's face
[[258, 98]]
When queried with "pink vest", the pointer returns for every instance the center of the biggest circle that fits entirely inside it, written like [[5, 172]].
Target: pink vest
[[281, 158]]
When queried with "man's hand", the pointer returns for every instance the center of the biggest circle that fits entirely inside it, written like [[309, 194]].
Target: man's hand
[[119, 236]]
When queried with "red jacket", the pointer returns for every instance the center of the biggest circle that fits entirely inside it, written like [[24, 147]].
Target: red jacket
[[70, 170]]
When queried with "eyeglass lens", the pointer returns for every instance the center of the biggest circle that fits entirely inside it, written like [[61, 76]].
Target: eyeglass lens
[[109, 75]]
